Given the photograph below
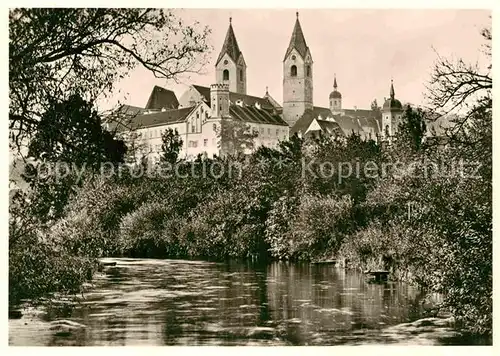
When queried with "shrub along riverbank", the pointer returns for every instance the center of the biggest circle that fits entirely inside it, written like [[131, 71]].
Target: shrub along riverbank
[[428, 224]]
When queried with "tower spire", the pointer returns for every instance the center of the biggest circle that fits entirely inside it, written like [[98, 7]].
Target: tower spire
[[335, 81], [230, 45], [297, 40], [391, 93]]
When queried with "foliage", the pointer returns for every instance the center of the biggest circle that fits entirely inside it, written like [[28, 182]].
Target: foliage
[[235, 137], [54, 53], [171, 146], [411, 129], [71, 131], [318, 226], [150, 231], [39, 267]]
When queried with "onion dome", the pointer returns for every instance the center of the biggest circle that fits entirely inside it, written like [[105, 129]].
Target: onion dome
[[392, 104], [335, 94]]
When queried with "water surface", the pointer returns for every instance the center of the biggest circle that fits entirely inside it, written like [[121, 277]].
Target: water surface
[[179, 302]]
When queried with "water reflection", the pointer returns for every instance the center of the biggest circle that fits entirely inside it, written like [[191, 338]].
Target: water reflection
[[172, 302]]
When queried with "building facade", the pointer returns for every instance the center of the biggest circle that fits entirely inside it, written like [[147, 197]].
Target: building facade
[[197, 115]]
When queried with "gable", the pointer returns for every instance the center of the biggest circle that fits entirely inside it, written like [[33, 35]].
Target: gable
[[314, 126], [226, 57], [161, 98]]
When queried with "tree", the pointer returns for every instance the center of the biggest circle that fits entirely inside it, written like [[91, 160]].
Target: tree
[[236, 137], [377, 112], [171, 146], [459, 87], [55, 53], [412, 129], [71, 138], [71, 131]]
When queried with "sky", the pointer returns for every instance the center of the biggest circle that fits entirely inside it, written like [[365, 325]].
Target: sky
[[364, 48]]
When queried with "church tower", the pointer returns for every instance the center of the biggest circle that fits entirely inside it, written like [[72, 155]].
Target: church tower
[[335, 99], [391, 114], [230, 67], [297, 77]]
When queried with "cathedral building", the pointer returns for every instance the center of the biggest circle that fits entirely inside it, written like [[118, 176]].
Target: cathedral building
[[199, 112]]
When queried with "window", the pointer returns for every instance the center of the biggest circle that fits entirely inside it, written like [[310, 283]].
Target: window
[[387, 130], [205, 142], [197, 115], [335, 102], [225, 75], [277, 132], [308, 70], [193, 128], [226, 62], [293, 71], [293, 57], [206, 115], [241, 74], [261, 131], [193, 143], [150, 133], [269, 132]]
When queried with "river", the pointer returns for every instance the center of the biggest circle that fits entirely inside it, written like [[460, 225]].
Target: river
[[180, 302]]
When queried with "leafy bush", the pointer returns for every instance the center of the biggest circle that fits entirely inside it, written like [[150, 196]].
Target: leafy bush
[[38, 265], [150, 231], [317, 226]]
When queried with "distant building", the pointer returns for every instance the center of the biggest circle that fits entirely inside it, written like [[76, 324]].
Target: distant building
[[199, 111]]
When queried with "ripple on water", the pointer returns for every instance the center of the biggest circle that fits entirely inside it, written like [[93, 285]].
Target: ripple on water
[[142, 301]]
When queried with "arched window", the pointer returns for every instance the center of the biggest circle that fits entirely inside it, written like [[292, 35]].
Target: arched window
[[241, 74], [308, 70], [293, 71], [225, 75], [387, 130]]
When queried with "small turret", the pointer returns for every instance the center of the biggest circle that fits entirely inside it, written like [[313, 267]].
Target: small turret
[[219, 100]]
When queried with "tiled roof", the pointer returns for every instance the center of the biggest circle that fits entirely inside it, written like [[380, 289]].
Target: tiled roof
[[130, 110], [308, 117], [324, 112], [348, 124], [254, 115], [250, 100], [297, 41], [303, 122], [160, 118], [204, 91], [162, 98], [230, 46], [330, 127], [234, 97], [272, 101], [359, 112], [369, 123]]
